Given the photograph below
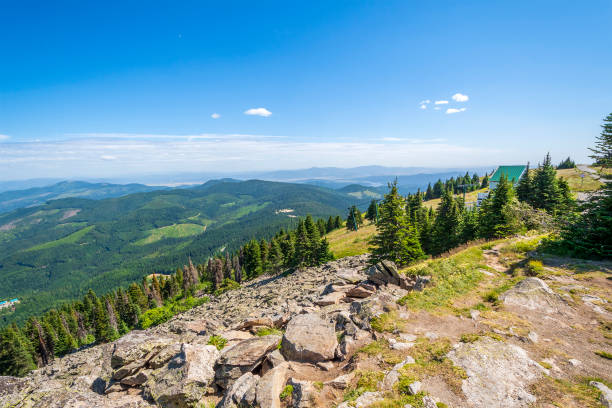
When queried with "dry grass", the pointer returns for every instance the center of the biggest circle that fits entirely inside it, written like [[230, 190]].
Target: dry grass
[[343, 242], [577, 183]]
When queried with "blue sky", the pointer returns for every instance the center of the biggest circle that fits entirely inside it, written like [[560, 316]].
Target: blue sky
[[101, 89]]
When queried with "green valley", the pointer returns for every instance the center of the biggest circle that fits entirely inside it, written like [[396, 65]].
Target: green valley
[[55, 252]]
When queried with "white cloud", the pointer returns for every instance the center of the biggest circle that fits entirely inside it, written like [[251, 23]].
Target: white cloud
[[215, 116], [460, 97], [425, 102], [423, 106], [4, 137], [258, 112], [453, 110], [138, 154], [441, 102]]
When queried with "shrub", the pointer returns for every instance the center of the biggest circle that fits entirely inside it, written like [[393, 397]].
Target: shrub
[[535, 268], [155, 316], [287, 392], [217, 341], [604, 354], [266, 331]]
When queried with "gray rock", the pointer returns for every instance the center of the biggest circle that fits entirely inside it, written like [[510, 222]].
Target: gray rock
[[184, 379], [360, 291], [415, 388], [534, 294], [136, 379], [272, 360], [341, 382], [309, 338], [270, 386], [243, 357], [499, 374], [429, 402], [137, 345], [304, 394], [242, 393], [606, 393]]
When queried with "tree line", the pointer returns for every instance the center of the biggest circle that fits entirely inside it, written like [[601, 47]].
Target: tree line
[[455, 185], [407, 231], [100, 319]]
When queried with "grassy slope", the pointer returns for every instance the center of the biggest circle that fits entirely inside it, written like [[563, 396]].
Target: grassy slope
[[172, 231], [69, 239], [343, 242], [576, 182]]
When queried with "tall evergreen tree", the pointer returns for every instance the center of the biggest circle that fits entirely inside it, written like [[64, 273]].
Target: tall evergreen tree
[[252, 259], [496, 217], [16, 352], [446, 231], [371, 213], [524, 188], [396, 239], [485, 181], [429, 193], [545, 189], [602, 151], [589, 235]]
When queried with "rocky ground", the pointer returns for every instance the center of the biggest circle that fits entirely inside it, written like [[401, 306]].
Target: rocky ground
[[340, 336]]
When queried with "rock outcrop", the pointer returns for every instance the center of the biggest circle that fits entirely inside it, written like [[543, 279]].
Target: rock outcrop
[[309, 339]]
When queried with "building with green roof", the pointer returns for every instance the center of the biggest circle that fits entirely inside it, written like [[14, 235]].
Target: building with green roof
[[514, 173]]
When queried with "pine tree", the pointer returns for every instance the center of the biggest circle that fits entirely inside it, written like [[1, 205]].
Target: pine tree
[[546, 194], [330, 226], [371, 213], [497, 218], [276, 256], [429, 195], [301, 252], [395, 238], [354, 219], [438, 189], [589, 236], [485, 181], [65, 342], [337, 222], [602, 152], [16, 352], [102, 329], [252, 259], [313, 241], [446, 231], [524, 188], [264, 253]]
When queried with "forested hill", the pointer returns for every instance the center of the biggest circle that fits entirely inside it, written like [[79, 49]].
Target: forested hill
[[55, 252], [11, 200]]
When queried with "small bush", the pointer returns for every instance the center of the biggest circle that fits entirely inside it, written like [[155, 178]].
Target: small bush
[[469, 337], [266, 331], [387, 322], [217, 341], [535, 268], [604, 354], [227, 284], [287, 392], [545, 365]]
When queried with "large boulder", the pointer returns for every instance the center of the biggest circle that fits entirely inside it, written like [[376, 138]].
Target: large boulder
[[242, 393], [534, 294], [183, 381], [309, 339], [499, 374], [243, 357], [271, 385], [136, 346], [304, 394]]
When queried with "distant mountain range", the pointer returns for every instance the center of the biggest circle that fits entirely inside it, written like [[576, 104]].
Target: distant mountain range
[[18, 194], [10, 200], [54, 252]]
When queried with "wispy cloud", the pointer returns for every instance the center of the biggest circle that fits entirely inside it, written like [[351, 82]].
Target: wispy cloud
[[258, 112], [460, 97], [423, 106], [4, 137], [165, 154], [425, 102], [453, 110], [437, 108], [215, 115], [441, 102]]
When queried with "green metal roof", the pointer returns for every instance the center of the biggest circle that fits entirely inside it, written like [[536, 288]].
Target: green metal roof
[[512, 172]]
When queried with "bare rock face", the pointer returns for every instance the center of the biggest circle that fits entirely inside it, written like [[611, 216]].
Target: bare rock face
[[534, 294], [243, 357], [184, 379], [271, 385], [304, 394], [499, 374], [310, 339]]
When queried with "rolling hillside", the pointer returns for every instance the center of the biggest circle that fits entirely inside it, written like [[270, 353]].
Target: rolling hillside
[[55, 252], [11, 200]]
